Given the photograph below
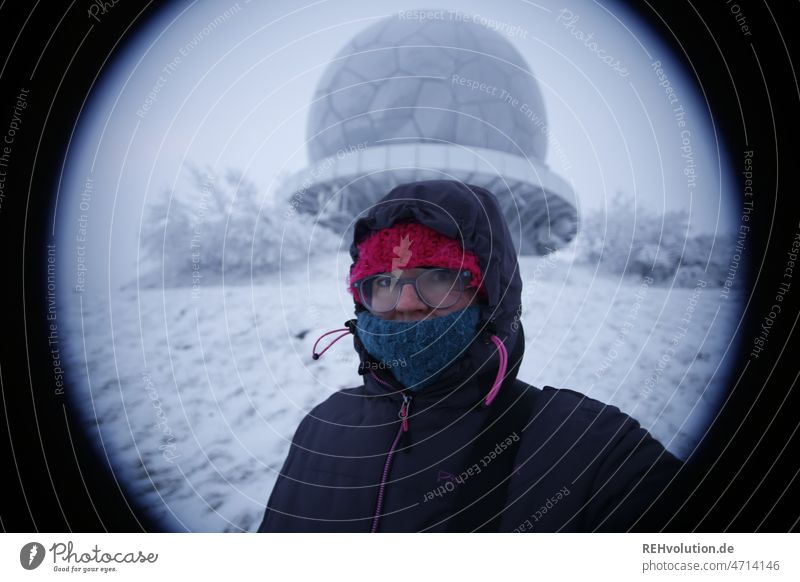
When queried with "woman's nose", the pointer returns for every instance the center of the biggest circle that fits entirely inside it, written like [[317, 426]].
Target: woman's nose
[[409, 300]]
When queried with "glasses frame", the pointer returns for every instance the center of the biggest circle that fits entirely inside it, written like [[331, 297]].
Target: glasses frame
[[463, 275]]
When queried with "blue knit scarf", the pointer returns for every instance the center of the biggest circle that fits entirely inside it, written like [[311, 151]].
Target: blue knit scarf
[[417, 351]]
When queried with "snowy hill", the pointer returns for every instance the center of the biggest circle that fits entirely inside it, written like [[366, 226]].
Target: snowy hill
[[195, 398]]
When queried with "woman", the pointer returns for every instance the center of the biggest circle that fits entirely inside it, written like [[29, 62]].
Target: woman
[[442, 436]]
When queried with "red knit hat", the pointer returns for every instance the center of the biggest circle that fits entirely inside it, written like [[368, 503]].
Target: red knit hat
[[408, 245]]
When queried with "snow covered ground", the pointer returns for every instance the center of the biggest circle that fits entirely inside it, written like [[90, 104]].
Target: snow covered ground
[[195, 398]]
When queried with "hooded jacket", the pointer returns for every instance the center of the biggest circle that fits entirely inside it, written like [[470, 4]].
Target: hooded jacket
[[379, 457]]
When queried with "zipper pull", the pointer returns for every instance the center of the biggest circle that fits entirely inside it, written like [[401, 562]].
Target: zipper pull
[[403, 414]]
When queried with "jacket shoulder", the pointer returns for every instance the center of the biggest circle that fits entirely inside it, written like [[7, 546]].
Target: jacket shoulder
[[342, 399], [580, 404], [337, 407], [630, 468]]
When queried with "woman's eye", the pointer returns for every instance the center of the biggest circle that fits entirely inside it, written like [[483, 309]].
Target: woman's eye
[[442, 277]]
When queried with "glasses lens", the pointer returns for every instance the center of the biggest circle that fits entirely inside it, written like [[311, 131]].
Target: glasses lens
[[440, 288], [379, 292]]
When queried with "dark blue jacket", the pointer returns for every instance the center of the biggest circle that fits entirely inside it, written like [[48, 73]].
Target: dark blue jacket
[[533, 460]]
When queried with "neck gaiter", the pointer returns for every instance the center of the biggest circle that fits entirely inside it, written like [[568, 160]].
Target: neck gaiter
[[417, 351]]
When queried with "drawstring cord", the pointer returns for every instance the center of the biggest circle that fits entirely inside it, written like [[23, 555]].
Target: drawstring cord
[[501, 371], [316, 355]]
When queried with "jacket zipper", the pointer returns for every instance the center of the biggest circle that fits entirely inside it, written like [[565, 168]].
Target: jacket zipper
[[403, 415]]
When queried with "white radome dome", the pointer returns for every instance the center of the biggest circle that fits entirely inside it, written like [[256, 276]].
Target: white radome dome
[[400, 79]]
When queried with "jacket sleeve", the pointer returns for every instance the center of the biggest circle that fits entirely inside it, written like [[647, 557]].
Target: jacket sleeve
[[629, 490], [282, 483]]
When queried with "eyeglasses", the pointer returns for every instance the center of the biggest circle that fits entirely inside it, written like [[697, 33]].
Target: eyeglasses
[[436, 288]]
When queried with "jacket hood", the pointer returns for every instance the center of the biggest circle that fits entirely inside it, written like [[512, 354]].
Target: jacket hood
[[471, 215]]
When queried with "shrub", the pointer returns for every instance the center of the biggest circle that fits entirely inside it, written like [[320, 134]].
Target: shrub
[[626, 239], [224, 225]]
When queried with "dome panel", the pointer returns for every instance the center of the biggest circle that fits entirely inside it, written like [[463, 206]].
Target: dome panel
[[426, 60], [431, 113], [354, 98], [372, 63], [359, 130], [393, 106], [440, 32], [470, 129], [503, 132]]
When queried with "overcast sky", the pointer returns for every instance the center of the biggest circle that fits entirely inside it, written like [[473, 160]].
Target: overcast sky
[[236, 94]]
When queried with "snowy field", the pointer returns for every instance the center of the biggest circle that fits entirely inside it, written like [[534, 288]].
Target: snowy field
[[195, 398]]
